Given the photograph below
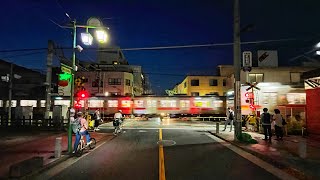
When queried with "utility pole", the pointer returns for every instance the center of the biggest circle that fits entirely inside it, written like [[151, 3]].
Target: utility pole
[[48, 78], [10, 94], [237, 64]]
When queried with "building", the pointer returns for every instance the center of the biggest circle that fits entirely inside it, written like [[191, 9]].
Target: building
[[26, 84], [202, 85]]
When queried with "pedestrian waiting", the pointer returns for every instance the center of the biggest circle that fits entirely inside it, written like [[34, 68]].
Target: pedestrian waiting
[[229, 119], [278, 124], [266, 124]]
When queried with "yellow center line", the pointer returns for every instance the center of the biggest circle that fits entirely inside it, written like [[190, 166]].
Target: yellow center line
[[162, 174]]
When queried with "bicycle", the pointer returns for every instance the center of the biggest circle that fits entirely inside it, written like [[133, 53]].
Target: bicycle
[[117, 123], [82, 145]]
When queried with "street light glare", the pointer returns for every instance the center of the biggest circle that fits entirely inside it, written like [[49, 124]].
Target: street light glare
[[102, 36], [318, 53], [318, 45], [86, 38]]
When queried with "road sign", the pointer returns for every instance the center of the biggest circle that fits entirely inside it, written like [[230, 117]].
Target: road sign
[[247, 59]]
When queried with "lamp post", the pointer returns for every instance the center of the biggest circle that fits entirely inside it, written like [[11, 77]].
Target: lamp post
[[237, 64], [92, 23]]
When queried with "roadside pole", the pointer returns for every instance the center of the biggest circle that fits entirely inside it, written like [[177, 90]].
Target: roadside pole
[[48, 78], [237, 66]]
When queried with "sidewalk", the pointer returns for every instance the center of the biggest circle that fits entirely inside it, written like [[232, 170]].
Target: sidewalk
[[19, 146], [296, 155]]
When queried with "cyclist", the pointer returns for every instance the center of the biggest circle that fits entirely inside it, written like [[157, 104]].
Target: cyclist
[[82, 130], [117, 121]]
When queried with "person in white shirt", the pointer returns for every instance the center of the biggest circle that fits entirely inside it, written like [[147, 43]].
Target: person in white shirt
[[278, 124], [118, 115]]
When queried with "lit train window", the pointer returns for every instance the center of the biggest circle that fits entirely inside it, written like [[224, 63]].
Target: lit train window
[[32, 103], [184, 103], [269, 98], [125, 103], [43, 103], [138, 103], [95, 103], [62, 102], [201, 103], [168, 103], [152, 103], [218, 103], [1, 103], [13, 103], [296, 98], [112, 103]]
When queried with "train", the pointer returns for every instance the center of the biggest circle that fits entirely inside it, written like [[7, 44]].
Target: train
[[172, 106]]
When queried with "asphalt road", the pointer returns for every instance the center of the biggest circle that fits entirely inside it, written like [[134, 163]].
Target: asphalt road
[[188, 154]]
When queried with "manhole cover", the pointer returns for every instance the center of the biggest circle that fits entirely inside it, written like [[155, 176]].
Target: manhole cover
[[166, 142]]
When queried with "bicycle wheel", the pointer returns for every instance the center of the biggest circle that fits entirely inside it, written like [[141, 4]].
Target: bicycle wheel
[[79, 151], [93, 143]]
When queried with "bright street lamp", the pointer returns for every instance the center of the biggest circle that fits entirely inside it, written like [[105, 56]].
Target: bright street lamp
[[102, 36], [92, 23]]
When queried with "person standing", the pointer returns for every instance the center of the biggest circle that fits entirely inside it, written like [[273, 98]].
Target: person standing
[[266, 124], [97, 120], [278, 124], [229, 119]]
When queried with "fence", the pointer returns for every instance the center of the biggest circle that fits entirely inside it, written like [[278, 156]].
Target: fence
[[46, 124]]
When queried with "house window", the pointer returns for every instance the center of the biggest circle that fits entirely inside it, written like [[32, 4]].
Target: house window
[[115, 81], [194, 93], [224, 82], [185, 84], [295, 77], [255, 78], [128, 82], [195, 82], [213, 82]]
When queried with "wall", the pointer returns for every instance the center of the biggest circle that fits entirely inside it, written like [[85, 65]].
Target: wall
[[313, 113]]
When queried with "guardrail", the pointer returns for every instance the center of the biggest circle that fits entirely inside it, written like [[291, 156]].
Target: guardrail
[[210, 118]]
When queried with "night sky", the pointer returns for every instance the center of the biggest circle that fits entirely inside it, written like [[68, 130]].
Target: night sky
[[27, 24]]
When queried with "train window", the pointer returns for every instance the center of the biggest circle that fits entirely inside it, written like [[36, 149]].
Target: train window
[[32, 103], [125, 103], [62, 102], [152, 103], [112, 103], [213, 82], [218, 103], [168, 103], [138, 103], [184, 103], [1, 103], [195, 82], [270, 98], [296, 98], [95, 103], [199, 103], [43, 103]]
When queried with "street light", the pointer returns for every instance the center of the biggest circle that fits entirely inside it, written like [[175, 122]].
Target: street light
[[92, 23]]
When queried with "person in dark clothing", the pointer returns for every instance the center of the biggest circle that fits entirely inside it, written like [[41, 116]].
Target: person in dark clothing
[[266, 124]]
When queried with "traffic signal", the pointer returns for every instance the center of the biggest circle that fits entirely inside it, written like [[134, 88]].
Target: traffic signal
[[64, 79], [83, 94]]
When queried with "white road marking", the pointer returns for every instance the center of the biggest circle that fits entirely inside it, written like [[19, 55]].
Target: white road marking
[[266, 166]]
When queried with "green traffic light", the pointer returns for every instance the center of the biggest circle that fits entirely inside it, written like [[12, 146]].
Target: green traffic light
[[64, 76]]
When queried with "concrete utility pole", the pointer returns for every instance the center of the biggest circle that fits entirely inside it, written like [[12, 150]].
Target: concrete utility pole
[[237, 64], [48, 78], [10, 94]]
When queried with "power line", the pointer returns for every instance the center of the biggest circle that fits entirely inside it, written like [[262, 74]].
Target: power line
[[24, 54], [163, 47]]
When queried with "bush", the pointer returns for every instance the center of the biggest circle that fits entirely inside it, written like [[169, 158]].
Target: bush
[[245, 137]]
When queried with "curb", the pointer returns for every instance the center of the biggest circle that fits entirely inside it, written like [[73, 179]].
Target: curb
[[56, 162], [284, 167]]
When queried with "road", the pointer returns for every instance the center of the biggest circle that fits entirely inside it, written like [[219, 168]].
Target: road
[[188, 153]]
